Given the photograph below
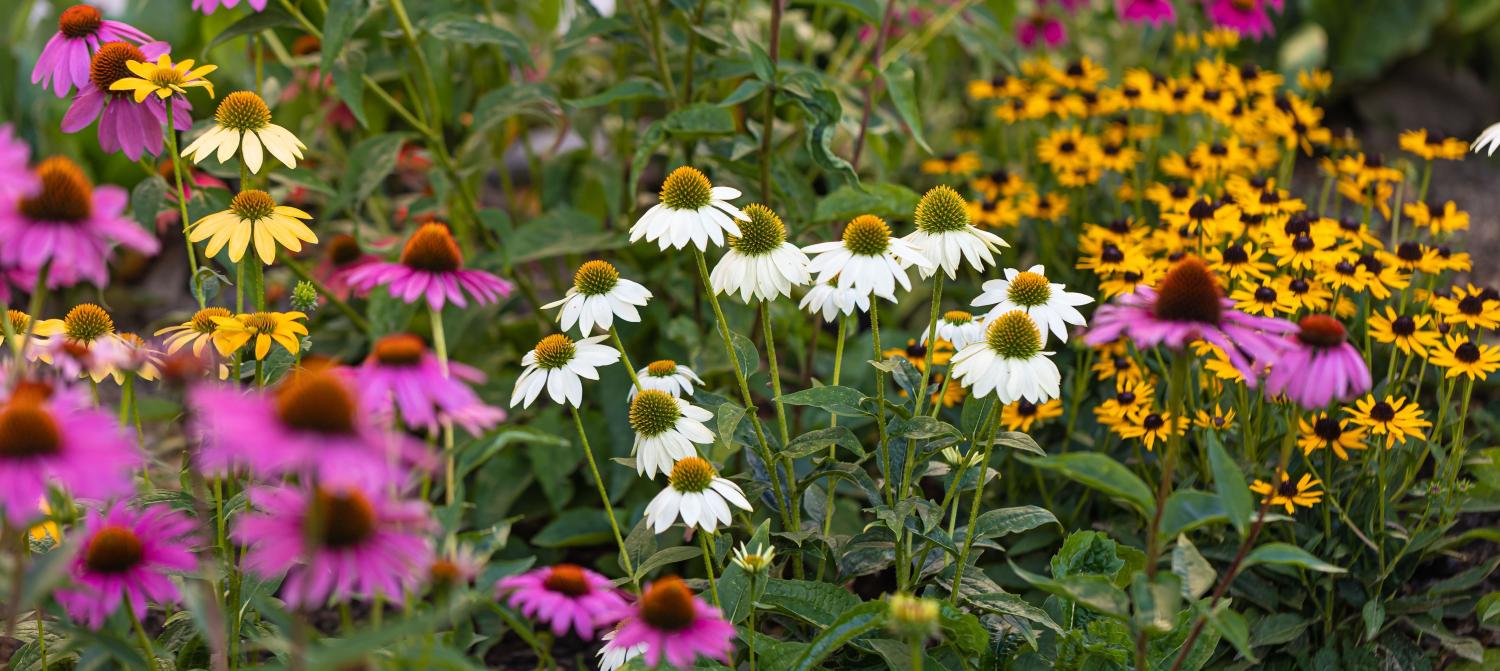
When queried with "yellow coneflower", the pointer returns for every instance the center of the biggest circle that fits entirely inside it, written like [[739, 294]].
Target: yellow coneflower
[[253, 215], [283, 328], [1392, 417], [163, 78], [1291, 494], [242, 124], [198, 331]]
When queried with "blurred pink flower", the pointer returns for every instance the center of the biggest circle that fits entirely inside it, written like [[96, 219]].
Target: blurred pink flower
[[81, 29], [1041, 28]]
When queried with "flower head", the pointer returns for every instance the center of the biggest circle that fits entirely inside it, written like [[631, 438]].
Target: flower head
[[946, 236], [867, 259], [1290, 494], [337, 542], [668, 376], [666, 428], [16, 179], [401, 378], [253, 215], [431, 265], [52, 435], [760, 262], [81, 29], [1324, 431], [1319, 366], [674, 625], [125, 125], [1030, 292], [282, 328], [566, 597], [695, 493], [1396, 418], [1461, 355], [958, 328], [556, 364], [834, 302], [597, 297], [912, 617], [1009, 362], [1154, 12], [755, 561], [692, 211], [125, 557], [163, 78], [243, 124]]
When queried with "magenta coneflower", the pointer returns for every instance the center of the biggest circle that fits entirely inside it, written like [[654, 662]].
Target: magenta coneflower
[[16, 178], [1041, 28], [342, 255], [312, 423], [125, 125], [1246, 17], [431, 265], [363, 543], [1154, 12], [81, 29], [68, 225], [125, 558], [51, 434], [565, 597], [208, 6], [1319, 367], [674, 625], [402, 376], [1187, 305]]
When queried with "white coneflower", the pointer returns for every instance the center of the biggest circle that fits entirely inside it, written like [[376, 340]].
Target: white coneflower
[[1030, 292], [666, 427], [754, 561], [556, 364], [597, 296], [947, 237], [1488, 140], [243, 124], [668, 376], [613, 656], [867, 259], [692, 210], [760, 262], [1009, 362], [833, 303], [697, 495], [959, 328]]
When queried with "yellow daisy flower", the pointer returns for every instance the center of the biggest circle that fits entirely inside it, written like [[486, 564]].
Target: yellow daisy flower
[[198, 331], [282, 328], [1321, 432], [1462, 356], [1411, 335], [1150, 428], [1393, 417], [253, 215], [1021, 415], [163, 78], [1290, 494], [1469, 306]]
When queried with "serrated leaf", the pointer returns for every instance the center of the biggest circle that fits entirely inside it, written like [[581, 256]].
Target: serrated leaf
[[1003, 603], [996, 523], [370, 162], [817, 603]]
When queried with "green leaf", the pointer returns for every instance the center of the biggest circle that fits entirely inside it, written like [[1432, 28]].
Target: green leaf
[[666, 557], [1188, 564], [747, 90], [890, 201], [349, 82], [454, 27], [851, 624], [509, 101], [1017, 440], [146, 200], [575, 528], [1003, 603], [342, 19], [271, 17], [734, 584], [1100, 472], [1231, 625], [819, 440], [635, 88], [1487, 609], [1157, 601], [1373, 614], [817, 603], [1095, 592], [996, 523], [747, 354], [558, 232], [901, 82], [1189, 509], [727, 418], [963, 630], [1229, 482], [369, 163], [699, 120], [640, 545], [841, 401], [1285, 554]]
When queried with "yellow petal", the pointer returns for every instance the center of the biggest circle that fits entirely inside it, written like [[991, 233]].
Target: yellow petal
[[262, 346]]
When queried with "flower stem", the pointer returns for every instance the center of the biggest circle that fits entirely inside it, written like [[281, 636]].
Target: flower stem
[[750, 640], [983, 466], [1176, 390], [609, 510], [769, 122], [708, 566], [883, 451], [192, 252], [838, 364], [786, 462], [750, 408], [440, 347], [931, 344], [301, 272], [873, 87], [142, 638], [625, 358]]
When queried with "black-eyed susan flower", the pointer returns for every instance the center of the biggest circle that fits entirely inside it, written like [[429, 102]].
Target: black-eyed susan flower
[[1431, 147], [1290, 494], [1393, 417], [1305, 293], [994, 213], [1044, 207], [242, 124], [283, 328], [1023, 414], [1131, 397], [1459, 355], [999, 184], [1388, 277], [1216, 362], [1128, 281], [1468, 306], [959, 164], [1263, 299], [1444, 218], [1412, 334], [1239, 261], [915, 353], [1115, 363], [164, 79], [253, 216], [1067, 148], [1151, 427], [1315, 81], [1324, 432], [1216, 419]]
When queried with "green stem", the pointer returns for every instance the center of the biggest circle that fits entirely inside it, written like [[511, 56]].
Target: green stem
[[884, 454], [838, 362], [708, 566], [739, 375], [983, 466], [440, 348], [625, 358], [917, 655], [609, 510], [301, 272], [750, 640], [142, 638], [931, 344], [786, 462], [769, 122], [182, 211]]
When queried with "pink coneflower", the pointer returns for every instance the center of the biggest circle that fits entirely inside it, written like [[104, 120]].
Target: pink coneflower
[[1041, 28], [1154, 12], [1246, 17], [16, 178], [68, 225], [81, 29], [564, 596], [125, 558], [431, 265], [312, 423], [124, 125], [1188, 305], [363, 543], [454, 569], [402, 376], [342, 255], [208, 6], [675, 625], [1320, 366], [51, 434]]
